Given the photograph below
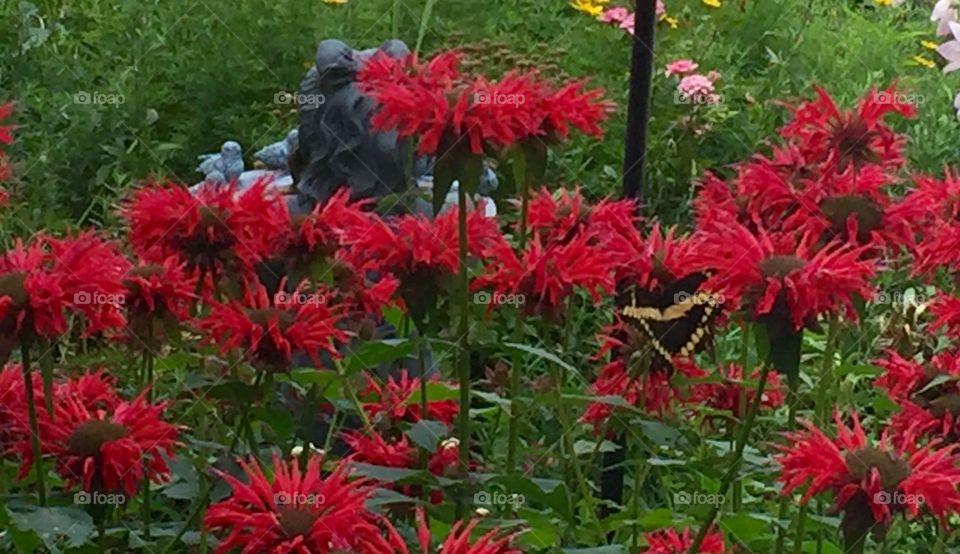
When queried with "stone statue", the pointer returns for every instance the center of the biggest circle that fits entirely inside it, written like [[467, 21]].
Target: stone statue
[[337, 146], [275, 155], [223, 167]]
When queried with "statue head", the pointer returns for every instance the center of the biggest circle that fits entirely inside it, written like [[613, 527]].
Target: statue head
[[336, 61], [231, 149], [293, 137]]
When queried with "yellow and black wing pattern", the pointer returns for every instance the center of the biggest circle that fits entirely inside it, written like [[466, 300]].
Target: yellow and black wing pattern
[[677, 319]]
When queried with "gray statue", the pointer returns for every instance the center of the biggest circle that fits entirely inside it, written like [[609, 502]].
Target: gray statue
[[275, 156], [223, 167], [337, 146]]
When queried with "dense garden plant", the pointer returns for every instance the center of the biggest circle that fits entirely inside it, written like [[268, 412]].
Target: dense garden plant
[[200, 369]]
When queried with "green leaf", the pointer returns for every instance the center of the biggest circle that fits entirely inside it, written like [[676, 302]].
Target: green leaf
[[435, 391], [281, 421], [427, 434], [609, 549], [584, 447], [52, 523], [744, 526], [513, 347], [385, 474], [235, 392], [373, 353]]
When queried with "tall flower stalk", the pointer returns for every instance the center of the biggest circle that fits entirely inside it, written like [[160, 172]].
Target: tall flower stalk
[[707, 523]]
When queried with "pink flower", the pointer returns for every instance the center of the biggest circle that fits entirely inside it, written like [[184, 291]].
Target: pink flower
[[628, 25], [943, 13], [951, 50], [615, 15], [696, 86], [680, 67], [661, 9]]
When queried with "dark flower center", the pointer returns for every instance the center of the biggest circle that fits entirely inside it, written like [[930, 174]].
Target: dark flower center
[[838, 208], [210, 241], [89, 436], [266, 316], [949, 403], [11, 284], [892, 470], [852, 138], [296, 521], [780, 266]]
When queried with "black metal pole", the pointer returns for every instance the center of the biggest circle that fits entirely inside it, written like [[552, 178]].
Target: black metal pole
[[638, 111], [638, 104]]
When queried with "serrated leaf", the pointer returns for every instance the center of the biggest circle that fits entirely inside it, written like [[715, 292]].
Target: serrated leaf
[[53, 523]]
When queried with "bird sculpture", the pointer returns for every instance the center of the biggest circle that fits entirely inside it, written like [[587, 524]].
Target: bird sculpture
[[276, 155], [223, 167]]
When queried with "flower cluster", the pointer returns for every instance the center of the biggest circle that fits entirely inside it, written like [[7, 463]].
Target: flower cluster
[[98, 439], [870, 482], [441, 105]]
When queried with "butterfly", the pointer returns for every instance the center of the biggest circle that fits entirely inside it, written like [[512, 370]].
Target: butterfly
[[676, 319]]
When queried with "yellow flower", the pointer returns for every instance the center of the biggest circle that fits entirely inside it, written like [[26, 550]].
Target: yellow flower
[[334, 1], [926, 62], [712, 3], [884, 2], [591, 7], [669, 20], [929, 44]]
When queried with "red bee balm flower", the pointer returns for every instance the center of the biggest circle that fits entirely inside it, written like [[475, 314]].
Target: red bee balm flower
[[158, 295], [269, 332], [212, 229], [784, 275], [6, 137], [669, 541], [495, 541], [299, 512], [837, 139], [44, 280], [869, 482], [393, 398], [725, 395], [107, 444], [441, 105], [927, 409]]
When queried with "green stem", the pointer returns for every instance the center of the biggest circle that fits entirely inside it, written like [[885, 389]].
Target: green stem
[[801, 525], [784, 508], [34, 426], [731, 474], [352, 396], [742, 404], [516, 359], [204, 494], [148, 362], [464, 351]]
